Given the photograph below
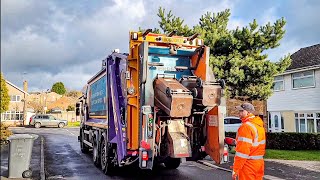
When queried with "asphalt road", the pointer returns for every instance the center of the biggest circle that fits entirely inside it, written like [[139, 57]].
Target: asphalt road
[[64, 160]]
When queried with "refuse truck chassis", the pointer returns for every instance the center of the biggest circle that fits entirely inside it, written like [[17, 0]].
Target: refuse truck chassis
[[157, 104]]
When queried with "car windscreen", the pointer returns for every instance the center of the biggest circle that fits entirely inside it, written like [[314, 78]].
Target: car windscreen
[[235, 121]]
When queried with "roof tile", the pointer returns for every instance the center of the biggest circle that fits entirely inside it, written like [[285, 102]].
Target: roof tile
[[308, 56]]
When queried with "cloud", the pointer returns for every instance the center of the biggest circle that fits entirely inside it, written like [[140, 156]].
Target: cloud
[[16, 14], [66, 41], [286, 47], [303, 21], [73, 77], [50, 46], [302, 28]]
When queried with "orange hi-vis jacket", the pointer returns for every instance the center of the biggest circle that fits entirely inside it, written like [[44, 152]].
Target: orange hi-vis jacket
[[250, 149]]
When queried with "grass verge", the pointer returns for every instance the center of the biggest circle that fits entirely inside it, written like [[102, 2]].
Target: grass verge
[[74, 124], [303, 155]]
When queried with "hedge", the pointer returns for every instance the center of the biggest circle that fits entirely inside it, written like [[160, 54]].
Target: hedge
[[289, 140]]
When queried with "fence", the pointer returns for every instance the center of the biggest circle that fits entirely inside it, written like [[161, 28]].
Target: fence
[[66, 115]]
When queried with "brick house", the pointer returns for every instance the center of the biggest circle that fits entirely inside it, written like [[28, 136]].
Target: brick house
[[16, 115]]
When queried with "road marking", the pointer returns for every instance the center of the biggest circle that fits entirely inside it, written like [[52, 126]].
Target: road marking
[[70, 132], [214, 166], [199, 165], [272, 177]]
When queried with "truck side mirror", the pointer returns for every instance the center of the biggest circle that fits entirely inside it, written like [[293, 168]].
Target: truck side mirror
[[77, 109]]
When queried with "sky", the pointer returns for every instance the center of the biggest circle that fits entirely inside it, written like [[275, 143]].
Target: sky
[[47, 41]]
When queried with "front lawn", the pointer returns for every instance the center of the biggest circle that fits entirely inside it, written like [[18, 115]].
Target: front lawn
[[303, 155], [73, 124], [306, 155]]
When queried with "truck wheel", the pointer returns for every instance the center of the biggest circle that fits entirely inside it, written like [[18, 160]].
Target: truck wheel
[[84, 148], [61, 125], [27, 174], [95, 153], [37, 125], [106, 165], [172, 163]]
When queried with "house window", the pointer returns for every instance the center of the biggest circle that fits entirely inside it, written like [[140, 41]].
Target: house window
[[278, 83], [307, 122], [303, 79], [12, 116], [297, 125], [302, 125], [15, 98]]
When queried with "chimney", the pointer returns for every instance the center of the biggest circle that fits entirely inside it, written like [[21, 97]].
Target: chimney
[[25, 86]]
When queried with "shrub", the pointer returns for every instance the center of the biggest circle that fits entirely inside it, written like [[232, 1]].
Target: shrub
[[5, 133], [289, 141]]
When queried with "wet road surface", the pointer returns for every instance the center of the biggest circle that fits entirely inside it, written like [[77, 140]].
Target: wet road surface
[[64, 160]]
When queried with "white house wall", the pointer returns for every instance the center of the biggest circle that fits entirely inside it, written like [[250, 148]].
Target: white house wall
[[307, 99]]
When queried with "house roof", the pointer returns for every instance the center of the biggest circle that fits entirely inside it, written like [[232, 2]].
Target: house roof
[[63, 103], [16, 87], [305, 57]]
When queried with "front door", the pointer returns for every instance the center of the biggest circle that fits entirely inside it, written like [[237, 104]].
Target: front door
[[275, 122]]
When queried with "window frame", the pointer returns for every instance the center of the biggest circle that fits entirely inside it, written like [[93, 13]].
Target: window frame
[[277, 81], [16, 97], [294, 78], [11, 116], [306, 118]]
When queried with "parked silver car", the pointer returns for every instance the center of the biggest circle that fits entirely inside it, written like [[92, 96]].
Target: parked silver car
[[232, 124], [47, 120]]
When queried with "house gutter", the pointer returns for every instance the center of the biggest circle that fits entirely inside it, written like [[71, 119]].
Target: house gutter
[[299, 70]]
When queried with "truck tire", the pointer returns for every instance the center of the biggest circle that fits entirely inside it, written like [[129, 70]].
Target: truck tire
[[172, 163], [95, 153], [106, 165], [197, 155], [84, 148]]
